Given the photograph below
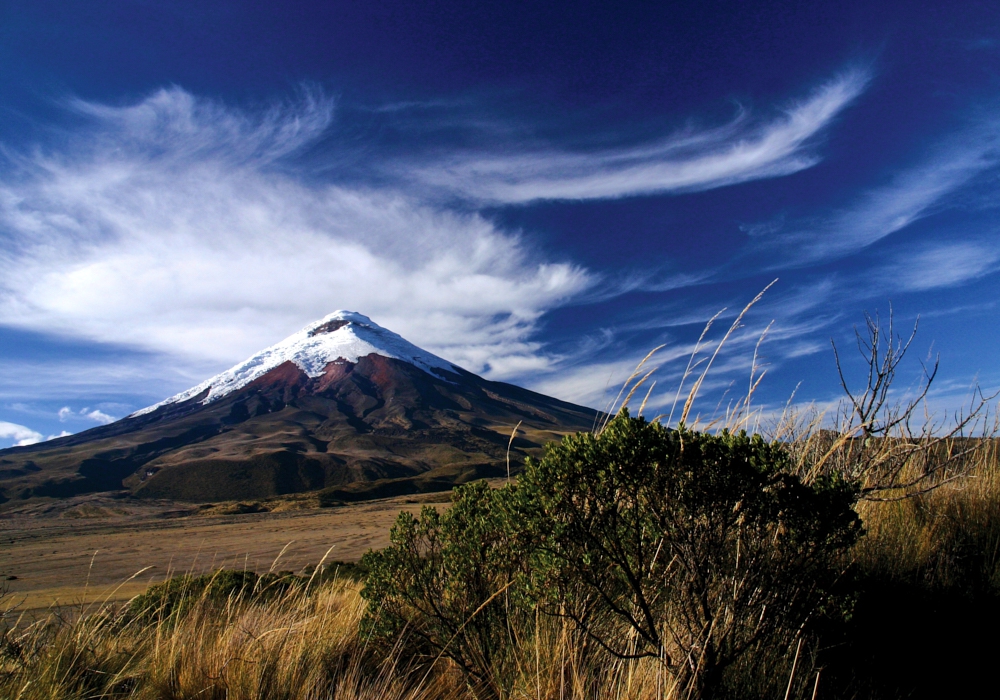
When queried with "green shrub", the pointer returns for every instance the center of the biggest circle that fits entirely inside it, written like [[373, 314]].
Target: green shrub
[[704, 551], [695, 548], [453, 583]]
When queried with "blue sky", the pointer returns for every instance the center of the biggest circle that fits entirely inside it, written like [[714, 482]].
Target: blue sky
[[540, 192]]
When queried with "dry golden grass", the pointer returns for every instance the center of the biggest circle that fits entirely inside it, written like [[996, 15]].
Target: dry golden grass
[[300, 645], [52, 554], [947, 538]]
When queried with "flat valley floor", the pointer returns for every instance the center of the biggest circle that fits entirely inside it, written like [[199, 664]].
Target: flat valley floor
[[81, 551]]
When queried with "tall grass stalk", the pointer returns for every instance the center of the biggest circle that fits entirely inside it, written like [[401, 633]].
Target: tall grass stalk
[[299, 645]]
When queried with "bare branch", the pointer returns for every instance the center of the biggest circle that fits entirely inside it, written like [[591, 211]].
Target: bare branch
[[883, 444]]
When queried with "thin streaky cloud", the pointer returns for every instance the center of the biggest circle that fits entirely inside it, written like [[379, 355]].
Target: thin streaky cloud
[[978, 308], [740, 151], [595, 383], [154, 228], [941, 265], [173, 124], [912, 195], [77, 381]]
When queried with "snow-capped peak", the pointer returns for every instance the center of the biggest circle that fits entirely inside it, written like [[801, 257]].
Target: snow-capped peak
[[342, 335]]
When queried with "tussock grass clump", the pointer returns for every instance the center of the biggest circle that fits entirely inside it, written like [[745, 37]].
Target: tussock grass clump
[[171, 600], [286, 644], [945, 540], [928, 587]]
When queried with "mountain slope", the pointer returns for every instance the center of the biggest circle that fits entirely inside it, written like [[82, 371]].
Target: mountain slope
[[344, 405]]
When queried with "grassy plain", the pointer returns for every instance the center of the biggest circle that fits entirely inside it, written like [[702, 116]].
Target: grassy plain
[[88, 549]]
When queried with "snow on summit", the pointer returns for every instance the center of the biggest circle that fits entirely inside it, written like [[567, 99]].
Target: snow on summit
[[343, 335]]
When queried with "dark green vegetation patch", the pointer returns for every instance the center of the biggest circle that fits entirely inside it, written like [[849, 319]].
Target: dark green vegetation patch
[[653, 542]]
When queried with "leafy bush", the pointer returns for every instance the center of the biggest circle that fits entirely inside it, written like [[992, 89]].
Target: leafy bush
[[700, 550], [683, 545], [454, 582]]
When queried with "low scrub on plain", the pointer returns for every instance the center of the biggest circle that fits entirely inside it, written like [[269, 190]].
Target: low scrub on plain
[[696, 550]]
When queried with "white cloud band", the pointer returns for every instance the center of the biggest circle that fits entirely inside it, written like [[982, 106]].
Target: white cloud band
[[147, 230], [21, 435], [689, 161]]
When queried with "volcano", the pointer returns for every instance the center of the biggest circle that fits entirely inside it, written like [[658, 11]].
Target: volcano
[[344, 407]]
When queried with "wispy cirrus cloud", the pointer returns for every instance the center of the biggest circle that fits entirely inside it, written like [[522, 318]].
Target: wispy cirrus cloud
[[790, 321], [171, 124], [945, 264], [183, 227], [179, 225], [911, 195], [171, 226], [695, 159], [98, 380]]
